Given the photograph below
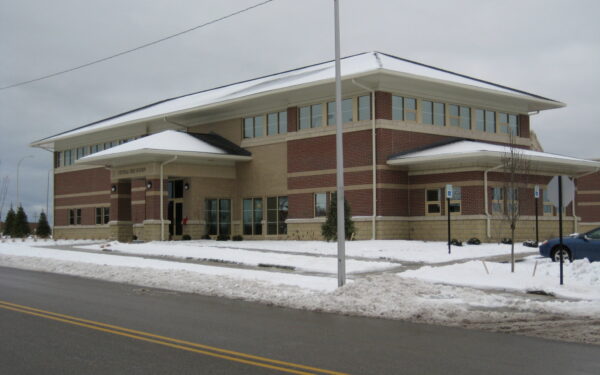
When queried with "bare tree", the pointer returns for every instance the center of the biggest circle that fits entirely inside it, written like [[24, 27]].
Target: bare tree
[[516, 168]]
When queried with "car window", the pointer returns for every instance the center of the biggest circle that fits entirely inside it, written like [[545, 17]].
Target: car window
[[594, 234]]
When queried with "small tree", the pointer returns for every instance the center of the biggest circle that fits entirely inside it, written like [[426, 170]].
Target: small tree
[[21, 226], [43, 228], [329, 228], [9, 223], [515, 167]]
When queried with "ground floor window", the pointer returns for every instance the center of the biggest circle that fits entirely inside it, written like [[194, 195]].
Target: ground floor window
[[277, 213], [218, 216], [320, 204], [497, 200], [454, 206], [432, 201], [102, 215], [75, 216], [512, 200], [252, 216], [548, 206]]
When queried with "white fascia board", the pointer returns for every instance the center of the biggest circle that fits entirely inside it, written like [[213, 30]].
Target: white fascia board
[[500, 91], [104, 159]]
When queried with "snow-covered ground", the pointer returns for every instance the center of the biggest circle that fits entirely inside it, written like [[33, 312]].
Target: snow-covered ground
[[204, 250], [395, 250], [581, 278], [455, 294]]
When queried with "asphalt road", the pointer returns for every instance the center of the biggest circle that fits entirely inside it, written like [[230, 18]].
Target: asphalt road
[[109, 328]]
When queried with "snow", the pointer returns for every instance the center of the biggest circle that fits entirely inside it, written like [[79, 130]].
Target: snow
[[203, 250], [461, 148], [581, 278], [386, 250], [41, 255], [456, 294], [350, 66], [168, 140]]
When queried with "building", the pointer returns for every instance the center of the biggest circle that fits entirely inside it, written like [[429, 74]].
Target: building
[[257, 158]]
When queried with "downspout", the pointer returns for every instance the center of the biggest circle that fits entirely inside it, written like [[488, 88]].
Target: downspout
[[162, 188], [485, 198], [373, 156]]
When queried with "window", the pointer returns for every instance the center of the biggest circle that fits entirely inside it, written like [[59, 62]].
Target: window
[[80, 153], [218, 216], [277, 213], [459, 116], [253, 127], [277, 123], [497, 200], [304, 117], [432, 201], [512, 200], [404, 109], [347, 115], [75, 216], [433, 113], [175, 189], [485, 121], [364, 107], [320, 204], [508, 124], [68, 157], [439, 115], [97, 148], [311, 116], [102, 215], [548, 206], [252, 216], [455, 202]]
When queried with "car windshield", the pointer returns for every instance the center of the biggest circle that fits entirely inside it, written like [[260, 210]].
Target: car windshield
[[594, 234]]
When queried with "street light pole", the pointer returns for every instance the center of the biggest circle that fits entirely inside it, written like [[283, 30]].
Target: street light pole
[[339, 147], [18, 167]]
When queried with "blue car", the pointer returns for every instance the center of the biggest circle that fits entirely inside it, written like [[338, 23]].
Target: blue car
[[578, 246]]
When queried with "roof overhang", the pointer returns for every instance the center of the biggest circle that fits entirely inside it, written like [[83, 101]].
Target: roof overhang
[[158, 156], [491, 159]]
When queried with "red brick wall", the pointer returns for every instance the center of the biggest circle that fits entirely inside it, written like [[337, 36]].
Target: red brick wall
[[317, 153], [138, 211], [292, 119], [85, 181], [472, 200], [383, 105], [589, 182], [524, 126], [390, 142], [301, 206], [446, 178], [120, 202], [392, 202], [360, 202]]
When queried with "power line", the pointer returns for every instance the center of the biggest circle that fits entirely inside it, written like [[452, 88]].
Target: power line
[[135, 48]]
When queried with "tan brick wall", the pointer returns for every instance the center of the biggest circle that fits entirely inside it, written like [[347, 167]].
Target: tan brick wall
[[96, 232]]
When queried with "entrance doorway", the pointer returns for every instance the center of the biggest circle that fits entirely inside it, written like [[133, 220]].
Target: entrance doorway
[[175, 208]]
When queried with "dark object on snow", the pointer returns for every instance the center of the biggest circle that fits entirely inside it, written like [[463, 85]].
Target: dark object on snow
[[237, 237], [506, 241], [474, 241], [530, 243], [186, 237], [455, 242], [205, 237], [222, 237]]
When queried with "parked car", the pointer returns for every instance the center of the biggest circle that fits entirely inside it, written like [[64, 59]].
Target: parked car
[[575, 246]]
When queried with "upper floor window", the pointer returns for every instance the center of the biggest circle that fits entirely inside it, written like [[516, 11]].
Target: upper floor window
[[459, 116], [433, 113], [508, 123], [404, 109], [253, 127], [364, 107], [485, 121], [347, 112], [311, 116], [277, 123]]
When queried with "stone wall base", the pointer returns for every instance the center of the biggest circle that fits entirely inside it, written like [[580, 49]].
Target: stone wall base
[[80, 232], [121, 231]]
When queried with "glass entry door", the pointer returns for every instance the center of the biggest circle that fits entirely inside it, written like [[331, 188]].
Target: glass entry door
[[175, 208]]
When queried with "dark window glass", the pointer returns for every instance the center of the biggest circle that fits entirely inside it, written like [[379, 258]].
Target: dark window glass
[[364, 107], [225, 216], [320, 204], [433, 195], [282, 214], [211, 216], [247, 216], [258, 216]]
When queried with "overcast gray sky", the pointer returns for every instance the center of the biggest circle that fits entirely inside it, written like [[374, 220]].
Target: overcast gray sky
[[550, 47]]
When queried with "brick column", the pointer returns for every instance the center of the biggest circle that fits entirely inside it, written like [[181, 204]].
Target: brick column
[[383, 105], [121, 228], [292, 119], [152, 220]]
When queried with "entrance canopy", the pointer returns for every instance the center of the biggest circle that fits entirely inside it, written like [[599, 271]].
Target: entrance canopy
[[189, 148], [461, 153]]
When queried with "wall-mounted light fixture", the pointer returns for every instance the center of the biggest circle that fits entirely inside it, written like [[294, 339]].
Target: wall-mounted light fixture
[[113, 188], [149, 185], [186, 186]]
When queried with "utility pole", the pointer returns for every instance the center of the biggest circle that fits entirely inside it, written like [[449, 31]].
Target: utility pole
[[339, 147]]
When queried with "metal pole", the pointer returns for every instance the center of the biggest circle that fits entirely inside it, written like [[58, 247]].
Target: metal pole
[[448, 209], [339, 147], [537, 237], [560, 226]]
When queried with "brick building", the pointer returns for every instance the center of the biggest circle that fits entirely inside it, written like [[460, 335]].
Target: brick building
[[257, 158]]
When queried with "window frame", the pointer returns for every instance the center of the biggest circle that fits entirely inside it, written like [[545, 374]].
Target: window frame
[[431, 203], [256, 223], [316, 209], [279, 224]]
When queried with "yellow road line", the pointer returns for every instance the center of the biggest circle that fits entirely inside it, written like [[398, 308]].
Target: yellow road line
[[168, 341]]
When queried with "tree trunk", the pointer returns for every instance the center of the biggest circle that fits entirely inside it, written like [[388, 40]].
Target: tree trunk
[[512, 250]]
